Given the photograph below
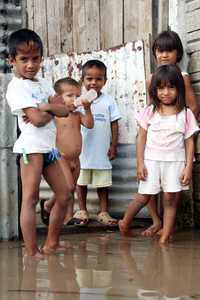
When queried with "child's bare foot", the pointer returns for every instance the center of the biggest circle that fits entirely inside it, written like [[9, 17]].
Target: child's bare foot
[[54, 250], [37, 255], [152, 230], [160, 233], [122, 227], [163, 240]]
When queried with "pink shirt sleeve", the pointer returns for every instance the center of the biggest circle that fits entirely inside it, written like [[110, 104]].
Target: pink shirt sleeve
[[144, 116], [191, 125]]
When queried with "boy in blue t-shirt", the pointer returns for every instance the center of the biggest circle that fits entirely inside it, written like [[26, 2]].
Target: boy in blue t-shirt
[[99, 144]]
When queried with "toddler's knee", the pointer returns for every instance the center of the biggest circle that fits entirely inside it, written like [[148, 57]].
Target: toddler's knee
[[142, 200], [72, 188], [63, 199]]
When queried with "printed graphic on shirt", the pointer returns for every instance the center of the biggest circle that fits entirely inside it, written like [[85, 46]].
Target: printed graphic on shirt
[[99, 117]]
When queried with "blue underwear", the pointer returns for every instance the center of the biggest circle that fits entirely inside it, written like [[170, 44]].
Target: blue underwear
[[48, 158]]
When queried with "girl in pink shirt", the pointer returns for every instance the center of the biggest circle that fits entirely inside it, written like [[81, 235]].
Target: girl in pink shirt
[[168, 49], [165, 147]]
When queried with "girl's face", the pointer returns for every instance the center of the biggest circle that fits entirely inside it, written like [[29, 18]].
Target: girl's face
[[166, 57], [167, 94], [94, 78]]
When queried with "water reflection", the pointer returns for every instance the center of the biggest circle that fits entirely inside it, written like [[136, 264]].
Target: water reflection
[[104, 267]]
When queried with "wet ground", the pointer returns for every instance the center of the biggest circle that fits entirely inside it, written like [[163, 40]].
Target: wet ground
[[105, 266]]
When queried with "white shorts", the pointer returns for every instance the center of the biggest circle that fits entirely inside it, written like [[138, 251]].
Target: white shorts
[[98, 178], [162, 176]]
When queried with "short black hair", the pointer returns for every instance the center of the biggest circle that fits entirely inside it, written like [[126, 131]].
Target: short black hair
[[168, 41], [167, 75], [65, 80], [94, 63], [23, 36]]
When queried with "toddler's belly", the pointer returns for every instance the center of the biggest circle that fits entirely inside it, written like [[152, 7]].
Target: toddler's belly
[[69, 143]]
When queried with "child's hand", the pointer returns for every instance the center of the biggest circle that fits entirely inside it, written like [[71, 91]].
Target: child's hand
[[56, 99], [112, 152], [186, 176], [142, 172], [26, 119], [86, 104]]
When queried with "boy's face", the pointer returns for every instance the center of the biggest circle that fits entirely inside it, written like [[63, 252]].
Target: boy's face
[[70, 92], [94, 78], [27, 62], [166, 57]]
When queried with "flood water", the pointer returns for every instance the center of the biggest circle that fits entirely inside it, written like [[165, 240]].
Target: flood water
[[101, 266]]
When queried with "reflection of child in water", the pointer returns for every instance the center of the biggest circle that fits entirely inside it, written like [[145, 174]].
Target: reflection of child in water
[[93, 276]]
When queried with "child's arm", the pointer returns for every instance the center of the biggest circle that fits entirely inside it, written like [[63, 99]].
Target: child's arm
[[87, 119], [187, 172], [190, 97], [57, 106], [140, 146], [112, 152], [58, 110], [37, 117]]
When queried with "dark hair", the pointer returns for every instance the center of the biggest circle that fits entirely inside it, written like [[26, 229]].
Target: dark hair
[[65, 80], [168, 41], [23, 36], [94, 63], [167, 75]]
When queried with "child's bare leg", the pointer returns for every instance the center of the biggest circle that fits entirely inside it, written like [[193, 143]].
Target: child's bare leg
[[170, 209], [82, 196], [48, 204], [104, 217], [67, 169], [71, 179], [103, 198], [31, 177], [54, 176], [133, 208], [156, 226]]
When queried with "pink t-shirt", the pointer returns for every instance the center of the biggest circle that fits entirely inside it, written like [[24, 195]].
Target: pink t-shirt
[[166, 134]]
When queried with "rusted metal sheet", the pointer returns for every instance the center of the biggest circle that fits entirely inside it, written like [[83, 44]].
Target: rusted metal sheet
[[126, 84], [11, 19], [126, 79], [8, 168]]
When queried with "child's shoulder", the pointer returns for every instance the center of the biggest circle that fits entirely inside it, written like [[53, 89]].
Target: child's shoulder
[[16, 84], [108, 100]]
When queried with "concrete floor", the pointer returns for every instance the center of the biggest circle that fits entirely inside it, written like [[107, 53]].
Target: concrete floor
[[105, 266]]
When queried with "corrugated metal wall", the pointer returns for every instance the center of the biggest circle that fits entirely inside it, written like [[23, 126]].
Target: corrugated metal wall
[[184, 18], [11, 18], [192, 14]]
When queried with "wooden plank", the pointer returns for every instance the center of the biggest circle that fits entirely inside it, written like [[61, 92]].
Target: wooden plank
[[65, 11], [163, 15], [145, 30], [40, 22], [131, 13], [86, 35], [30, 13], [111, 23], [53, 27]]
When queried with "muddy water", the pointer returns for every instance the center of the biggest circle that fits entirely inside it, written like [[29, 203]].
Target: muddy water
[[105, 266]]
